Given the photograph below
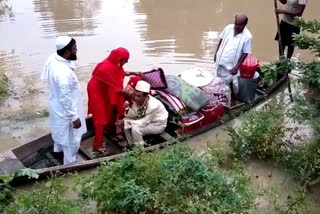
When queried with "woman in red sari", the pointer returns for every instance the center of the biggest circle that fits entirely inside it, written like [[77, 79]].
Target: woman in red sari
[[105, 93]]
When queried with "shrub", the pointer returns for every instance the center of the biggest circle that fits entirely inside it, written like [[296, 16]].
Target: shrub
[[6, 195], [3, 86], [309, 39], [259, 134], [176, 181], [272, 71], [49, 199], [303, 162]]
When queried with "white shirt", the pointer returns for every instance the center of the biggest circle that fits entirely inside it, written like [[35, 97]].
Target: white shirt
[[293, 6], [232, 47]]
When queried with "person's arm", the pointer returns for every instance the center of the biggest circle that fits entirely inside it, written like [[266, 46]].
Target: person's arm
[[240, 61], [64, 91], [132, 73], [215, 55]]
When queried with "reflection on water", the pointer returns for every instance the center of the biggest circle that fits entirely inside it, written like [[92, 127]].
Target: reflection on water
[[177, 26], [68, 17]]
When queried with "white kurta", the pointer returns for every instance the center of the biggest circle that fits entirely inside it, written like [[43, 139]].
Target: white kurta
[[65, 106], [153, 122], [231, 49]]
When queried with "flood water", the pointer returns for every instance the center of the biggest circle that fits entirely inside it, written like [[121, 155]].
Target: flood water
[[172, 34]]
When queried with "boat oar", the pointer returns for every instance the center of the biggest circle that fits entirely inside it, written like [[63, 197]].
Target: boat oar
[[281, 50]]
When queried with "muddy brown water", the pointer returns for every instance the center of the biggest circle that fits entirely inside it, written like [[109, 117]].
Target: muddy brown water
[[172, 34]]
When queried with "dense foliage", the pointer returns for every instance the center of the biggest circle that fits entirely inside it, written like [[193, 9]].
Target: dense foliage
[[176, 181]]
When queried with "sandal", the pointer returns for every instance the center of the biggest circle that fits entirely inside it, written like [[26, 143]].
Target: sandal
[[123, 143], [100, 152]]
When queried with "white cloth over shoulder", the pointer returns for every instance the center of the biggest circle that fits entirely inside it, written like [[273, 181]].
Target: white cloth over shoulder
[[232, 47], [230, 51], [65, 105]]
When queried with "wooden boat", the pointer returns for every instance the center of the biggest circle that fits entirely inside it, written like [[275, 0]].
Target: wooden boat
[[38, 154]]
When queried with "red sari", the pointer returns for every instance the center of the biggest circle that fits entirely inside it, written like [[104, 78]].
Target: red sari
[[105, 100]]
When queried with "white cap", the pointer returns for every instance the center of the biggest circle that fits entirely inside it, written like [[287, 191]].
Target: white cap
[[62, 41], [143, 86], [197, 77]]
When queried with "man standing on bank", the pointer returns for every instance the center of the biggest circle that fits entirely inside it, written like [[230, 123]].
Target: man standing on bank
[[67, 120], [288, 27], [233, 48]]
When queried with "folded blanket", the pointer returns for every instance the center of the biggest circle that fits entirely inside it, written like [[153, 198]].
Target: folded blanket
[[192, 96], [174, 102]]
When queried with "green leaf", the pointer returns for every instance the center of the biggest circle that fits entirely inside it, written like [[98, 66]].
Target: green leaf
[[31, 173]]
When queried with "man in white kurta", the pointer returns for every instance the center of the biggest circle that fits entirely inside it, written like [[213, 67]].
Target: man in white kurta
[[147, 115], [233, 48], [67, 120]]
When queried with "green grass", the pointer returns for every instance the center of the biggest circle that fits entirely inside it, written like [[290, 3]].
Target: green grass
[[4, 87]]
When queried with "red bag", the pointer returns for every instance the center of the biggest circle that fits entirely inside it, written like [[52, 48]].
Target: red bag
[[248, 67]]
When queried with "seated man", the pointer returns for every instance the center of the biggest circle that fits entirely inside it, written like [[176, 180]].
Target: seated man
[[146, 115]]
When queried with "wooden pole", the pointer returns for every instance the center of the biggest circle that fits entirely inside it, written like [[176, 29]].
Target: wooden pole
[[281, 50]]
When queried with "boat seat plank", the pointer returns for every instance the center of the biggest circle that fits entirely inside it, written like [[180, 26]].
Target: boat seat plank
[[86, 148], [9, 163], [80, 158]]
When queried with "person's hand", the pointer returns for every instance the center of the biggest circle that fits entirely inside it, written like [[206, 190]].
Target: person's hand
[[119, 123], [138, 74], [234, 71], [127, 93], [122, 92], [126, 105], [76, 124], [279, 11]]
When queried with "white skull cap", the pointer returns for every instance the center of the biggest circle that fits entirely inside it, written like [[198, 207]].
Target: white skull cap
[[143, 86], [62, 41]]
